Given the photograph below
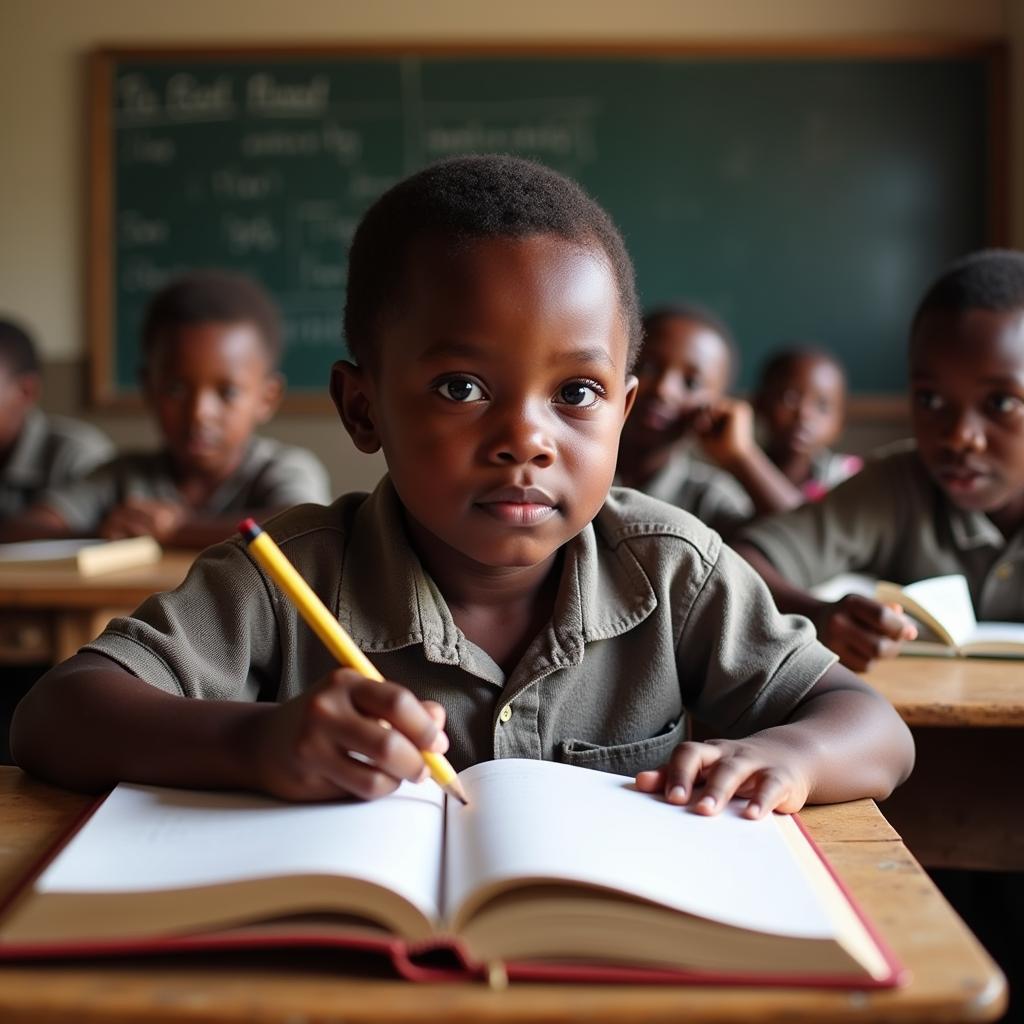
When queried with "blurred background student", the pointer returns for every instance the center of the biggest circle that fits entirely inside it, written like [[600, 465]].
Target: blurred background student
[[801, 404], [37, 451], [211, 342], [685, 367]]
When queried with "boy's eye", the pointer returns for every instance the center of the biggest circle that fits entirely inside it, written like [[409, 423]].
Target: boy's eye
[[460, 389], [692, 382], [928, 400], [580, 394], [229, 392], [1004, 404]]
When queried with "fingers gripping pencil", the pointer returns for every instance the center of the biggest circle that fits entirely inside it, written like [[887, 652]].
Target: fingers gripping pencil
[[329, 630]]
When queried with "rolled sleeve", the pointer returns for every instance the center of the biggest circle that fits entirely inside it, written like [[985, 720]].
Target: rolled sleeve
[[215, 637], [746, 665], [853, 528]]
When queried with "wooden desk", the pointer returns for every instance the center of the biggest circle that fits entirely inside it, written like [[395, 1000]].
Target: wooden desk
[[953, 979], [964, 805], [47, 614]]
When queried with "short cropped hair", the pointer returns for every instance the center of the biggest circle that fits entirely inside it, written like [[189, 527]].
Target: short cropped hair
[[17, 350], [698, 314], [212, 296], [779, 363], [990, 279], [465, 198]]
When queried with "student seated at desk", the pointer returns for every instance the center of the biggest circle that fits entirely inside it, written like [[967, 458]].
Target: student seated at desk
[[491, 311], [684, 371], [952, 503], [37, 451], [211, 342], [800, 401]]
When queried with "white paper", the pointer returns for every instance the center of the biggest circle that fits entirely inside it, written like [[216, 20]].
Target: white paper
[[150, 838], [542, 819]]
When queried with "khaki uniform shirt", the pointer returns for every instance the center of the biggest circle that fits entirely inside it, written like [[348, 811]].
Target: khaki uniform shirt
[[50, 451], [892, 521], [271, 475], [653, 616], [714, 496]]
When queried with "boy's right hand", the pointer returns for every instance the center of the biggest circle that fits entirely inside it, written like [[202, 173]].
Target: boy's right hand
[[860, 630], [332, 741]]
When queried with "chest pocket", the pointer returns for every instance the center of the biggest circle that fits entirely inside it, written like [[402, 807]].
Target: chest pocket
[[624, 758]]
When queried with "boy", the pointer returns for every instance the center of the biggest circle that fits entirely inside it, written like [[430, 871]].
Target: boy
[[955, 504], [211, 341], [684, 370], [491, 310], [800, 400], [36, 451]]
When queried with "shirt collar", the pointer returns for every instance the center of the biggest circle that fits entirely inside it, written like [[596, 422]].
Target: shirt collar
[[25, 465], [386, 600]]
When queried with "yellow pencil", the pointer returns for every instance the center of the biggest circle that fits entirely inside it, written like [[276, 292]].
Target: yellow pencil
[[335, 639]]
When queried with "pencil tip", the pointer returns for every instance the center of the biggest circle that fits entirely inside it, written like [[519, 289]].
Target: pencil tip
[[455, 788]]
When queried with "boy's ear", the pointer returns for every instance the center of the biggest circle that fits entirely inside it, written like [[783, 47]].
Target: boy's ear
[[352, 394], [270, 399], [29, 387], [632, 383]]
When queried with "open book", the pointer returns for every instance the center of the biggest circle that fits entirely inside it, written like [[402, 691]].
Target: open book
[[89, 557], [555, 870], [942, 608]]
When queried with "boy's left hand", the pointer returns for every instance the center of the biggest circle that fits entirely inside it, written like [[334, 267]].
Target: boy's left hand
[[139, 517], [726, 430], [707, 775]]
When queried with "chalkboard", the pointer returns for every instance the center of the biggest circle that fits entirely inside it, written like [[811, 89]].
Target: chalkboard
[[803, 196]]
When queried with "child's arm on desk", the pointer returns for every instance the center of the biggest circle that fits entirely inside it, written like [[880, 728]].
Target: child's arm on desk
[[88, 724], [857, 628], [843, 742]]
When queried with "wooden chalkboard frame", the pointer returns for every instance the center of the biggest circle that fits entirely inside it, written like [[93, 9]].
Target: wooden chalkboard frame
[[103, 62]]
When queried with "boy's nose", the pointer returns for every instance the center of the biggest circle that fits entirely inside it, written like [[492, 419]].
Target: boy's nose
[[965, 431], [521, 439], [205, 406], [669, 387]]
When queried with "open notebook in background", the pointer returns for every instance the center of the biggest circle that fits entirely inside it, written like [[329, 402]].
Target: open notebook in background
[[943, 609], [88, 557]]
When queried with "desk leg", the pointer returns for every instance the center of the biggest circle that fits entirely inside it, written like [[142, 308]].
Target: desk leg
[[963, 807]]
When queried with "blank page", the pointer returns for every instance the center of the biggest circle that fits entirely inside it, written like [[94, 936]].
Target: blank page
[[541, 819], [149, 838]]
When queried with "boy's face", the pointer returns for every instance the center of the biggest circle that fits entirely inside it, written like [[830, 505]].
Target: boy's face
[[967, 387], [803, 405], [497, 394], [683, 368], [210, 385], [18, 393]]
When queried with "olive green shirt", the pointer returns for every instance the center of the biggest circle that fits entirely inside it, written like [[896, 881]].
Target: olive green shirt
[[714, 496], [892, 521], [271, 475], [50, 451], [653, 616]]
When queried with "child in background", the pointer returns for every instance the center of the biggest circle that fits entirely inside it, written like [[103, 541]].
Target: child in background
[[491, 309], [801, 399], [211, 342], [684, 371], [37, 451], [953, 504]]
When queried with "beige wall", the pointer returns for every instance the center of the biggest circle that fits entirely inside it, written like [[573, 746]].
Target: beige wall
[[43, 43]]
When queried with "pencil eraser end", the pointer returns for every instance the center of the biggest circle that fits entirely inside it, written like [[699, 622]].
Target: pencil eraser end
[[248, 528]]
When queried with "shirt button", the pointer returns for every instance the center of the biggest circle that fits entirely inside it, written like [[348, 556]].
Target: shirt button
[[1004, 571], [505, 714]]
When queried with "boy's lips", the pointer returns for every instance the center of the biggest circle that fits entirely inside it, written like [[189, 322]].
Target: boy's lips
[[518, 506], [963, 479]]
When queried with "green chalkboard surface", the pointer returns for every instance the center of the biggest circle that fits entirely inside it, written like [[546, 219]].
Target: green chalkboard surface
[[804, 197]]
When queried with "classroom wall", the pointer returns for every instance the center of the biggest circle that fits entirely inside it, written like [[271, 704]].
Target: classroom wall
[[43, 44]]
